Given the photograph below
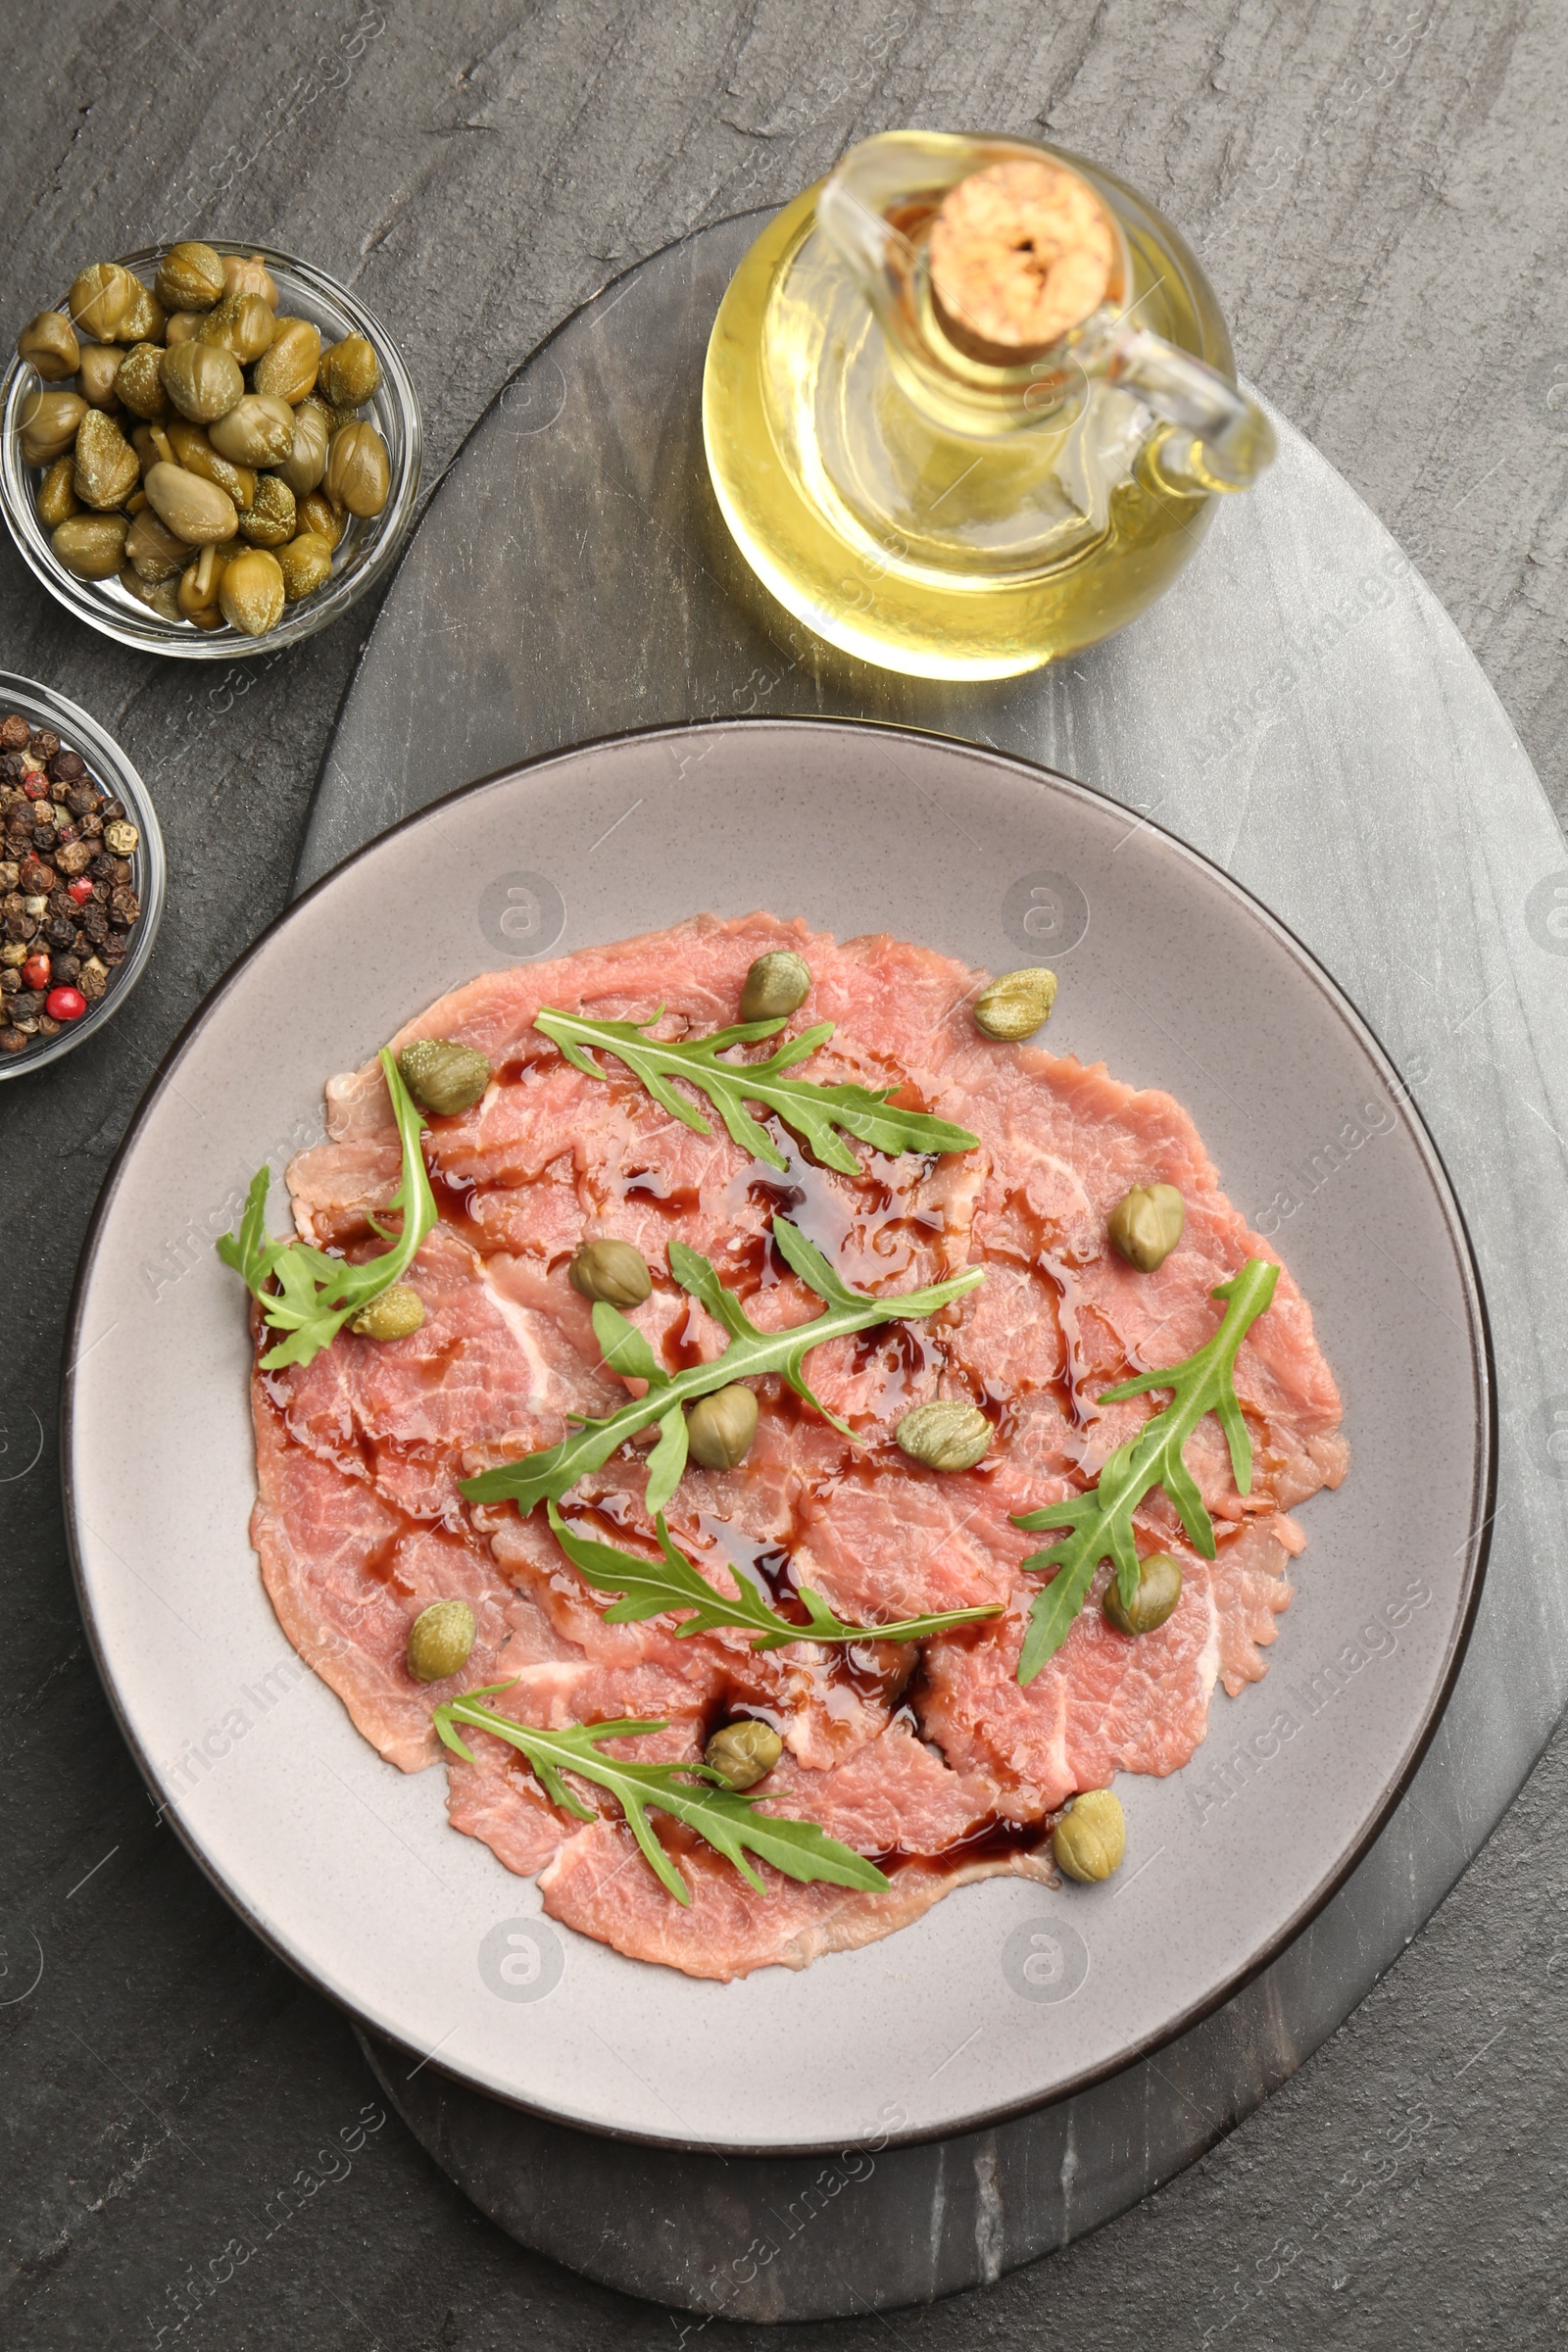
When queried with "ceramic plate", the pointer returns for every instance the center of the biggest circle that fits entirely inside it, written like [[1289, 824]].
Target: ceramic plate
[[1006, 1995]]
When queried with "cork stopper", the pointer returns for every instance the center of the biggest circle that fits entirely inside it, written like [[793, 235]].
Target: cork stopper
[[1020, 254]]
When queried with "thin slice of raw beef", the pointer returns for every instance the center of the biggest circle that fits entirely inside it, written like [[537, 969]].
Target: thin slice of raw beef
[[894, 1795]]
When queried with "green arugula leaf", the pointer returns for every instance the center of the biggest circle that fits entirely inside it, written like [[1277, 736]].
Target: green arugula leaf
[[626, 1348], [1101, 1521], [549, 1474], [693, 1793], [651, 1588], [812, 1113], [667, 1459], [317, 1293]]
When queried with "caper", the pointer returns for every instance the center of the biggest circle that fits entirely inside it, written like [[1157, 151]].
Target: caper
[[358, 473], [139, 381], [57, 495], [776, 985], [306, 462], [440, 1640], [257, 430], [350, 373], [1159, 1589], [159, 596], [1091, 1838], [203, 381], [1017, 1004], [91, 545], [287, 368], [48, 343], [143, 320], [719, 1428], [946, 1435], [612, 1271], [318, 516], [743, 1753], [251, 277], [49, 422], [107, 472], [242, 325], [190, 277], [97, 366], [1146, 1225], [151, 550], [194, 451], [99, 299], [306, 563], [398, 1311], [269, 521], [446, 1078], [180, 327], [249, 593], [197, 594], [195, 511]]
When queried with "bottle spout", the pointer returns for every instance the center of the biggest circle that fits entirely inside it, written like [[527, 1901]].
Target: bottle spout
[[865, 206]]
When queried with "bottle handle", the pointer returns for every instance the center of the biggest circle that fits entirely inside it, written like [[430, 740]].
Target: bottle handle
[[1215, 438]]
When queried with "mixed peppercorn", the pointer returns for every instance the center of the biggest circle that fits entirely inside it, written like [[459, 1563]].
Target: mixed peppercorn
[[68, 900]]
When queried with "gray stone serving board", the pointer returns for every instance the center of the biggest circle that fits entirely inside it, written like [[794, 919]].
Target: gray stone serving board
[[1301, 710]]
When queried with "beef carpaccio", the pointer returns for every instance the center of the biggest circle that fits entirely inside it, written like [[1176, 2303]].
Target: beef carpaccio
[[929, 1758]]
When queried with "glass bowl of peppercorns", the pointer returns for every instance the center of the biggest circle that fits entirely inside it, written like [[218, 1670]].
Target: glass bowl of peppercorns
[[82, 876]]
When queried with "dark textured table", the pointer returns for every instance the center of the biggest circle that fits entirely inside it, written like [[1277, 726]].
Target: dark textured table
[[1380, 197]]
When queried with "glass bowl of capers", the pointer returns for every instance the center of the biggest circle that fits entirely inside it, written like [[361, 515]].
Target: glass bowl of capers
[[208, 449]]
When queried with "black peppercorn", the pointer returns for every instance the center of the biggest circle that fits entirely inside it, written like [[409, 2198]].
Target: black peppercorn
[[44, 743], [82, 798], [25, 1005], [67, 767]]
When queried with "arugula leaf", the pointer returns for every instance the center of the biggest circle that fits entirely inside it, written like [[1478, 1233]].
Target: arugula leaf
[[649, 1587], [723, 1818], [811, 1112], [534, 1476], [317, 1293], [667, 1459], [1102, 1520]]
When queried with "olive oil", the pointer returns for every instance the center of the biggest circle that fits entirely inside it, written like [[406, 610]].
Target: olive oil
[[947, 518]]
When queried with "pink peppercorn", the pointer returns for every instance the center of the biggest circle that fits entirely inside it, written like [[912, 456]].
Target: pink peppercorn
[[80, 890], [65, 1004]]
